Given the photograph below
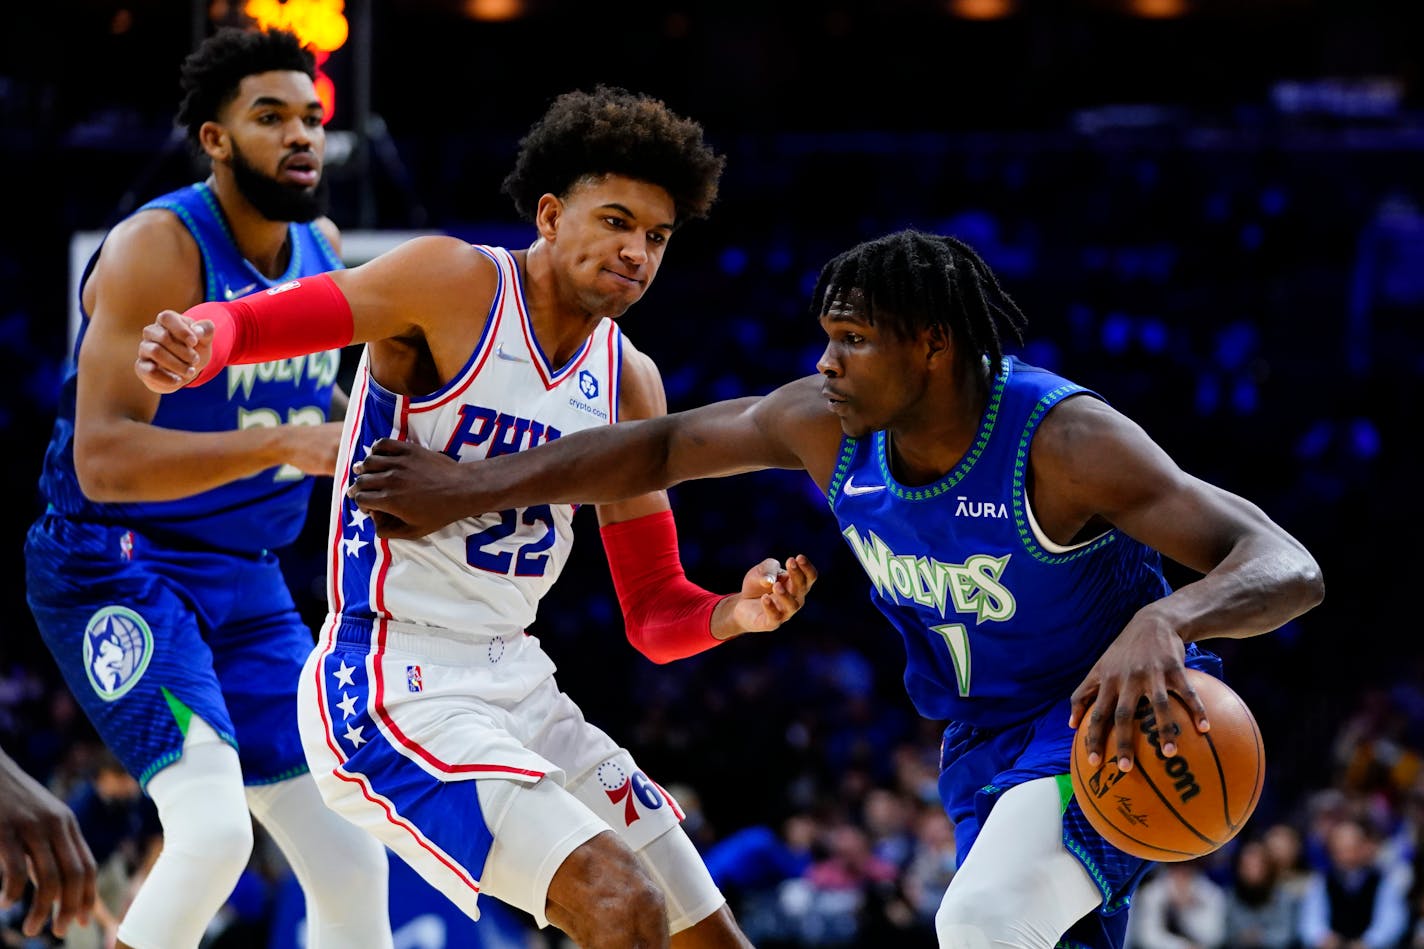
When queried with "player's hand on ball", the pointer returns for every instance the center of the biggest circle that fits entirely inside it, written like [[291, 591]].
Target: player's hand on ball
[[174, 350], [772, 593], [1146, 660]]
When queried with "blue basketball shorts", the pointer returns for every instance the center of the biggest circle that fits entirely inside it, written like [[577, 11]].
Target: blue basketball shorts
[[977, 765], [147, 635]]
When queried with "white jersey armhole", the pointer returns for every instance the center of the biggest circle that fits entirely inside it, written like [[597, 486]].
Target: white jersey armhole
[[1042, 540]]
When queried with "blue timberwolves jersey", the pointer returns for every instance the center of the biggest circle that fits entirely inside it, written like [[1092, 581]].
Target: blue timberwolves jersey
[[998, 621], [262, 511]]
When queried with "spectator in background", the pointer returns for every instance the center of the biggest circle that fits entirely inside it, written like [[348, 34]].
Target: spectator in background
[[932, 864], [1178, 907], [1355, 902], [1286, 845], [1260, 912]]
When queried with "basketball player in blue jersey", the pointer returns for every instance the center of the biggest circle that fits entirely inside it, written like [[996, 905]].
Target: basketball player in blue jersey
[[428, 714], [1010, 522], [150, 574]]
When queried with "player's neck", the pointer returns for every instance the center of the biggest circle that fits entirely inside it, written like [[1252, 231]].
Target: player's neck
[[263, 242], [929, 441], [560, 326]]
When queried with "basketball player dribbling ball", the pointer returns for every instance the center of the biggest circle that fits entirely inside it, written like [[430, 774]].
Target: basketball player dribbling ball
[[150, 574], [429, 717], [1010, 522]]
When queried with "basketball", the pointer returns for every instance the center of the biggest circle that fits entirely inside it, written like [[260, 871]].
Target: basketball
[[1186, 806]]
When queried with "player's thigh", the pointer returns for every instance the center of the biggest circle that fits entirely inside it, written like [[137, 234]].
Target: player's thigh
[[1019, 869], [609, 782], [258, 662], [536, 829], [129, 648]]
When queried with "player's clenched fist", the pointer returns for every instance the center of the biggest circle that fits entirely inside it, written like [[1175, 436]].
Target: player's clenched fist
[[174, 350]]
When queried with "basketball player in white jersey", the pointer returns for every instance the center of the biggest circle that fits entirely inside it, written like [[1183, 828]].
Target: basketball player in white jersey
[[428, 716]]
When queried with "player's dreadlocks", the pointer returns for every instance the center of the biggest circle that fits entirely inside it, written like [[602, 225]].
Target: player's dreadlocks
[[212, 72], [613, 131], [912, 280]]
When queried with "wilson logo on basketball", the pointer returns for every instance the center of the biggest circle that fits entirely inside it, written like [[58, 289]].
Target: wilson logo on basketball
[[1185, 783]]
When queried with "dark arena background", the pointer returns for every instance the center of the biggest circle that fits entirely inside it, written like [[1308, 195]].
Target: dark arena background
[[1210, 211]]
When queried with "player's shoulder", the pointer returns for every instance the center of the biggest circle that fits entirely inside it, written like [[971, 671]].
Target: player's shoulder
[[148, 258], [1082, 432], [640, 385], [443, 259], [154, 236]]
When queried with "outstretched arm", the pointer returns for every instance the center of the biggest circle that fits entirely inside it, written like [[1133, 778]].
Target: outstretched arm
[[413, 491], [420, 289], [1092, 466], [665, 614]]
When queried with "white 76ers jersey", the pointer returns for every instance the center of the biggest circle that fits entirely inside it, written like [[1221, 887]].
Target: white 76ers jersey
[[479, 578]]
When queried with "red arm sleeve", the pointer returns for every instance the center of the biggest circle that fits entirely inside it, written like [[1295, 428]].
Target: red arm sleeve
[[303, 316], [667, 616]]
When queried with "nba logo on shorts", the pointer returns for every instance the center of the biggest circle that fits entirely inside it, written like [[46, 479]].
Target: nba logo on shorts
[[117, 647], [126, 545], [412, 678]]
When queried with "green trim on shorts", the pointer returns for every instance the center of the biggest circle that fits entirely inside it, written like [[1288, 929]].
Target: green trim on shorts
[[182, 714], [1065, 791]]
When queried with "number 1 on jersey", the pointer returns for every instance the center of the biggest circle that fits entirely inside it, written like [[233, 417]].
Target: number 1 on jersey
[[956, 637]]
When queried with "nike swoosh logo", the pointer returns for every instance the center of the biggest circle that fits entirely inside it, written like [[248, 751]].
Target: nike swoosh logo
[[231, 294], [852, 489], [499, 351]]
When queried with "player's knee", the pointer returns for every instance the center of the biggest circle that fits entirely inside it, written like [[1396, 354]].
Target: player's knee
[[606, 899], [222, 836], [971, 918], [637, 910]]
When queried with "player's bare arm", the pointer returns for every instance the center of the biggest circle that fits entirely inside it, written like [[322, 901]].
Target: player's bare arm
[[771, 592], [150, 263], [414, 491], [421, 306], [1093, 468]]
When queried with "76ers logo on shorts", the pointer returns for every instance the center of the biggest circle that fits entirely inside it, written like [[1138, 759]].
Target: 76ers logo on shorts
[[620, 786], [117, 648]]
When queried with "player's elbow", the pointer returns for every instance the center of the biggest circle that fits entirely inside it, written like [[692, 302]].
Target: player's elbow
[[640, 640], [1311, 582], [100, 470]]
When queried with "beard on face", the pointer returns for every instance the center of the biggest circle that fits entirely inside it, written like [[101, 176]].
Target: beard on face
[[274, 200]]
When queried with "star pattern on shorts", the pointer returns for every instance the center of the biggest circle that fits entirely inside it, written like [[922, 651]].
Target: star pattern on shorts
[[347, 705], [343, 675], [353, 545], [359, 518], [353, 735]]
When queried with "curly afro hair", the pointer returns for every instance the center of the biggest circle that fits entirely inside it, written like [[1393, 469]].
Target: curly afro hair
[[611, 131], [212, 72]]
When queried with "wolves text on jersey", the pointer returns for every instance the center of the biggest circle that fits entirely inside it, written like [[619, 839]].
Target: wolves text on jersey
[[319, 366], [505, 433], [970, 587]]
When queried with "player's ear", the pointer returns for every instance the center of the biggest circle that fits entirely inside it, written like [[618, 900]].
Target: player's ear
[[547, 216], [937, 343], [215, 141]]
